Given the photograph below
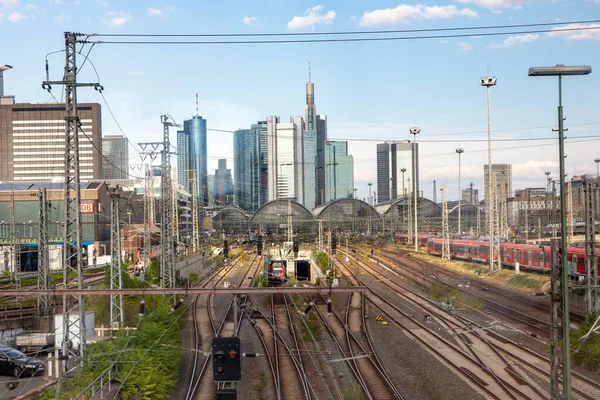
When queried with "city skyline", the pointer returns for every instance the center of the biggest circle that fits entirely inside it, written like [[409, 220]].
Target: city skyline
[[359, 93]]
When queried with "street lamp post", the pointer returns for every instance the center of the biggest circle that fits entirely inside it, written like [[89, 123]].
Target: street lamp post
[[415, 131], [370, 198], [597, 161], [560, 70], [459, 151]]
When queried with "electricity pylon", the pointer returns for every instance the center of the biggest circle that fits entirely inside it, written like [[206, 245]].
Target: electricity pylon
[[116, 265], [43, 301], [570, 211], [445, 229], [495, 264]]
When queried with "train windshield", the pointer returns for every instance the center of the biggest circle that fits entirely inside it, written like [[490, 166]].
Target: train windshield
[[277, 266]]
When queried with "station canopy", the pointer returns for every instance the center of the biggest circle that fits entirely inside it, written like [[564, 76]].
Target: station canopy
[[231, 219], [272, 217], [347, 214]]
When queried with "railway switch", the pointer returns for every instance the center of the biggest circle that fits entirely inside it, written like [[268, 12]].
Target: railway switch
[[227, 366]]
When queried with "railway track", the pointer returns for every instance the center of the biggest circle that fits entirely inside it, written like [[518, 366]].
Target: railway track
[[205, 328], [506, 351], [353, 342], [493, 383]]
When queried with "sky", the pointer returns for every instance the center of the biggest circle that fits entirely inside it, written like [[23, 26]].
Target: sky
[[370, 91]]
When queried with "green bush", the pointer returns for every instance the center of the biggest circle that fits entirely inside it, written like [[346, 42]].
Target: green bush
[[260, 387], [588, 354], [323, 261]]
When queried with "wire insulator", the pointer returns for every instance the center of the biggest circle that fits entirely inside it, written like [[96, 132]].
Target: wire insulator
[[308, 308], [176, 306], [142, 305]]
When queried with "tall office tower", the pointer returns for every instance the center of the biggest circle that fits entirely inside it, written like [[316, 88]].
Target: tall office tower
[[299, 159], [210, 180], [223, 185], [115, 163], [32, 141], [309, 164], [339, 171], [250, 167], [192, 155], [392, 157], [503, 173], [281, 141], [470, 196]]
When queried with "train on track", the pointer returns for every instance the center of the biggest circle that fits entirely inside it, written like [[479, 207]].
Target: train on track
[[528, 256], [276, 270]]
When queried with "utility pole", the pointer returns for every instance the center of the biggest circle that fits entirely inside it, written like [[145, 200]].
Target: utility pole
[[459, 151], [478, 219], [556, 330], [43, 301], [570, 211], [592, 302], [597, 161], [116, 266], [14, 241], [546, 205], [72, 234], [175, 214], [434, 193], [148, 209], [290, 232], [488, 82], [554, 209], [445, 228], [415, 131], [504, 208], [193, 181], [370, 198]]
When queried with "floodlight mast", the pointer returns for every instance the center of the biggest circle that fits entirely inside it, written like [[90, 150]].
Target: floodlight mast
[[559, 344]]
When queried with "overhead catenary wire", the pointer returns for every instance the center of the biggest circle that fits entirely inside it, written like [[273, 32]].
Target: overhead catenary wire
[[335, 33], [336, 40]]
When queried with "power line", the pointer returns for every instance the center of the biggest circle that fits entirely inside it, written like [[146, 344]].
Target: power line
[[335, 33], [361, 39]]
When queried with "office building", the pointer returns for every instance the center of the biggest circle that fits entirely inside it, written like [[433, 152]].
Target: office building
[[339, 171], [115, 163], [470, 196], [223, 185], [503, 174], [32, 141], [283, 171], [392, 157], [250, 167], [192, 155], [309, 165]]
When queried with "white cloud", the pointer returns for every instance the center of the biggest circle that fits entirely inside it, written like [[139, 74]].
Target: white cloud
[[311, 17], [1, 17], [60, 18], [514, 40], [55, 1], [137, 72], [155, 12], [117, 19], [249, 21], [16, 17], [102, 3], [404, 13], [9, 3], [465, 46], [577, 35], [497, 4], [30, 7]]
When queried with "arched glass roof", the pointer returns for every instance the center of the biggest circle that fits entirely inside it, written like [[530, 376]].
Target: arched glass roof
[[273, 217]]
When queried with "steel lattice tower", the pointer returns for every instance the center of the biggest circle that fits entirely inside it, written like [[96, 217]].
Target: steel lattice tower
[[14, 241], [193, 180], [503, 208], [495, 262], [592, 302], [175, 214], [72, 235], [116, 266], [43, 302], [148, 211], [491, 216], [570, 212], [410, 225], [445, 228], [290, 232], [320, 234]]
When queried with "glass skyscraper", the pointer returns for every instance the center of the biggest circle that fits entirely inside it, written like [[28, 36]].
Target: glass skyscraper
[[309, 166], [392, 157], [115, 163], [192, 155], [339, 171], [250, 167]]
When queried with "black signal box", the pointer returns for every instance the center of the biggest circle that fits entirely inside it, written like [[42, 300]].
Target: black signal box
[[227, 356]]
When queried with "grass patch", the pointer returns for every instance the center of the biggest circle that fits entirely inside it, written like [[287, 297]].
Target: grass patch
[[311, 329], [259, 386], [444, 292], [351, 391], [524, 281]]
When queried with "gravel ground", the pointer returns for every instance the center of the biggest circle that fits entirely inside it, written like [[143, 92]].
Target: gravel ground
[[415, 372]]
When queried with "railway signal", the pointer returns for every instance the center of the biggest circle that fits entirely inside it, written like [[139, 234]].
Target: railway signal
[[227, 366], [295, 248], [225, 248], [259, 245], [333, 244]]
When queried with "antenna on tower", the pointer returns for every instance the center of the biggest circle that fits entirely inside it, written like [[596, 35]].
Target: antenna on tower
[[309, 71], [196, 104]]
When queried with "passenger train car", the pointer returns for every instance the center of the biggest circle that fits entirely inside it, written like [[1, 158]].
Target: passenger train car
[[276, 270], [529, 256]]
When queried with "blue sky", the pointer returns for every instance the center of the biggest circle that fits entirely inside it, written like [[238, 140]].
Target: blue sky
[[369, 90]]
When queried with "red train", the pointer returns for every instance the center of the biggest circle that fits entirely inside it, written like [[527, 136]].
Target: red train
[[276, 270], [529, 256]]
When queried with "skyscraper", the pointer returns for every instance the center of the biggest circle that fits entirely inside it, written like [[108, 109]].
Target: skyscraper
[[250, 167], [192, 155], [223, 184], [392, 157], [309, 165], [339, 171], [115, 163], [503, 173], [32, 141]]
